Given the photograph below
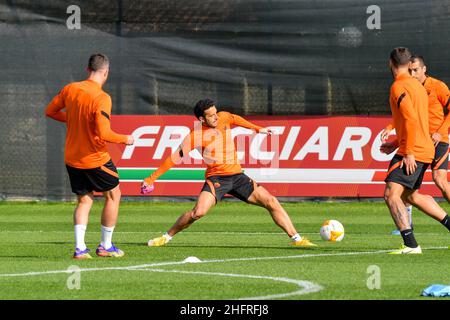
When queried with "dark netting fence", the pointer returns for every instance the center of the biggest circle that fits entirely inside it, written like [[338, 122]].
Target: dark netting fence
[[278, 57]]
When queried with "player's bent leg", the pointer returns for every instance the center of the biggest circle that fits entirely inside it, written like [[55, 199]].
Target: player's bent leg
[[111, 207], [84, 205], [205, 201], [110, 214], [81, 219], [261, 197], [393, 199], [440, 179], [427, 204], [395, 195]]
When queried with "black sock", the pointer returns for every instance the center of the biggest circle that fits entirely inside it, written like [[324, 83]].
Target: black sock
[[408, 238], [446, 222]]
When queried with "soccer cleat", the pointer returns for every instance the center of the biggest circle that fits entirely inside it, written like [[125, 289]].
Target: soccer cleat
[[157, 242], [82, 254], [396, 232], [407, 250], [303, 242], [111, 252]]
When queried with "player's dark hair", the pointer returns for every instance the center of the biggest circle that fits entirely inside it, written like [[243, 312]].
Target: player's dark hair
[[98, 61], [415, 58], [201, 106], [400, 56]]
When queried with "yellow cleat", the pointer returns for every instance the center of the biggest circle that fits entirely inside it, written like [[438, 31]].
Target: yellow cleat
[[303, 242], [157, 242], [407, 250]]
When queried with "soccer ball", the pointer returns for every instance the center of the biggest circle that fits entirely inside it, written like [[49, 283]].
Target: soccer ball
[[332, 230]]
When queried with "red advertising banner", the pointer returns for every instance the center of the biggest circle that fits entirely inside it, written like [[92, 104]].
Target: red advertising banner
[[307, 157]]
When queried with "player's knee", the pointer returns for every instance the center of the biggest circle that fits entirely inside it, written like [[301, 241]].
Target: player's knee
[[390, 196], [113, 195], [272, 203], [85, 200], [440, 182], [198, 213]]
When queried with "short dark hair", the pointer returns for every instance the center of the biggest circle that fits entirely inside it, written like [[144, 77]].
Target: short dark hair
[[201, 106], [98, 61], [400, 56], [417, 57]]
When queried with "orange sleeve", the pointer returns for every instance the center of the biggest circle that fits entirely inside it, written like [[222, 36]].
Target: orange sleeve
[[239, 121], [103, 124], [407, 113], [183, 150], [53, 110], [443, 95]]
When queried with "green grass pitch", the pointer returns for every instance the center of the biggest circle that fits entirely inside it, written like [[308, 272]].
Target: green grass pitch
[[243, 253]]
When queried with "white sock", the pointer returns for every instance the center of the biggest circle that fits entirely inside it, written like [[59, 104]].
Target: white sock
[[107, 233], [166, 235], [409, 210], [80, 231], [296, 237]]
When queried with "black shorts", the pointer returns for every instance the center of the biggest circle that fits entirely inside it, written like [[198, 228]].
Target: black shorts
[[238, 185], [398, 175], [440, 160], [100, 179]]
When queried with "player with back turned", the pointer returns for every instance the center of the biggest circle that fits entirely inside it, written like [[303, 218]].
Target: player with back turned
[[89, 165]]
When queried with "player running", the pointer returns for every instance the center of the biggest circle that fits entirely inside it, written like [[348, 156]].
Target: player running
[[223, 174], [89, 165], [409, 107], [439, 122]]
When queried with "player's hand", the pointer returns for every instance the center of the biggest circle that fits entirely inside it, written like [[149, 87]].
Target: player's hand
[[130, 140], [388, 147], [266, 131], [384, 135], [146, 188], [410, 164], [436, 137]]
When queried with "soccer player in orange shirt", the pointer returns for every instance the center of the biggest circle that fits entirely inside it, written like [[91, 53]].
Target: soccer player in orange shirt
[[439, 122], [223, 174], [409, 107], [89, 165]]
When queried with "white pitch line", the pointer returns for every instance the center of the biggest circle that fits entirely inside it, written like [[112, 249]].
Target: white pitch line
[[306, 286], [170, 263], [203, 232], [150, 232]]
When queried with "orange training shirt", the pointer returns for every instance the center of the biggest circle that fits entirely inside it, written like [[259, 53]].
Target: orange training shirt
[[438, 101], [409, 107], [87, 116], [214, 144]]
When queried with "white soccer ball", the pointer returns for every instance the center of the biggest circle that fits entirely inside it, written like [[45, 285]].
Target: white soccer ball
[[332, 230]]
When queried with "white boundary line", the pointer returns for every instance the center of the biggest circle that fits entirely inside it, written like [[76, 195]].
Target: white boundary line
[[201, 232], [172, 263], [306, 286]]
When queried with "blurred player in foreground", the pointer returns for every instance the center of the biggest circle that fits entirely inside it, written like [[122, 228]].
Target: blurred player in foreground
[[409, 107], [439, 122]]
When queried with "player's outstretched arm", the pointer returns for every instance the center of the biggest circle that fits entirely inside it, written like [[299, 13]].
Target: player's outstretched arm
[[169, 162], [239, 121]]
